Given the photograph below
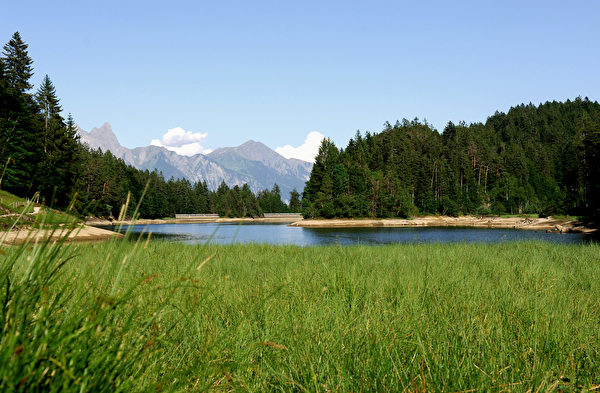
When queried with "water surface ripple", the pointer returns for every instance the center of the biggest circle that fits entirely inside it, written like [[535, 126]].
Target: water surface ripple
[[281, 233]]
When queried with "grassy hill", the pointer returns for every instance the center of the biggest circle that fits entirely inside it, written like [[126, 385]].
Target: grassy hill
[[10, 201], [17, 211]]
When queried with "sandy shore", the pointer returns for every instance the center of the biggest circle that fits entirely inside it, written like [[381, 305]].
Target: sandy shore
[[90, 232], [545, 224], [101, 222], [82, 233], [538, 224]]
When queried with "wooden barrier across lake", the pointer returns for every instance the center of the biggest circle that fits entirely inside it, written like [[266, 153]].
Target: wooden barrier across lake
[[197, 216], [283, 215], [214, 217]]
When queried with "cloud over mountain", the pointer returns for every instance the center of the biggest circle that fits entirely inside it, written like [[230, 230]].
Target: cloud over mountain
[[252, 163], [304, 152], [182, 142]]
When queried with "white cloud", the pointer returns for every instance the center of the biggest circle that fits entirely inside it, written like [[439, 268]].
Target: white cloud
[[183, 143], [305, 152]]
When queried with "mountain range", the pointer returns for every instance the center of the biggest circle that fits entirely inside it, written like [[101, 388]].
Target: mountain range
[[252, 163]]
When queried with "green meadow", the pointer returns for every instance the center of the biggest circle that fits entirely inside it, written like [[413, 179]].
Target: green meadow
[[157, 316]]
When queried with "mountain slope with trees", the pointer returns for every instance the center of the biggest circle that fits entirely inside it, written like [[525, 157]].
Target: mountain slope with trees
[[534, 160], [541, 159], [40, 152], [252, 163], [38, 147]]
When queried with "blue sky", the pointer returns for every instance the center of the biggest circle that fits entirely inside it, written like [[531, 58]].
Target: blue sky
[[221, 73]]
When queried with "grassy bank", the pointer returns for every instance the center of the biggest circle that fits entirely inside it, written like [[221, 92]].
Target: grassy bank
[[461, 317]]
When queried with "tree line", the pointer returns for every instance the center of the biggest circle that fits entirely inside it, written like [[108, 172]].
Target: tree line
[[532, 160], [541, 159], [105, 183], [40, 152]]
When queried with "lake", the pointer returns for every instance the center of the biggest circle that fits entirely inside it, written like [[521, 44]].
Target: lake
[[281, 233]]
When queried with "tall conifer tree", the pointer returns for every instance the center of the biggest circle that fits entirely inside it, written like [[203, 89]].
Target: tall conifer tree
[[58, 141], [18, 146], [18, 64], [49, 104]]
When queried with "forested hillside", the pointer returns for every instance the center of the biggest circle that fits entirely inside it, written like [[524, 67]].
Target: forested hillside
[[533, 160], [40, 152]]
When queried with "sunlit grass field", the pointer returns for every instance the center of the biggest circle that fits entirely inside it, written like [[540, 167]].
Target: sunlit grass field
[[120, 316]]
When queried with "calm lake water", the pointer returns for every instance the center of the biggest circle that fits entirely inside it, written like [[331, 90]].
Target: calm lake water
[[278, 233]]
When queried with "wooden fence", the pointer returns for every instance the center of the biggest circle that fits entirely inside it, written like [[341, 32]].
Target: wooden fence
[[198, 216]]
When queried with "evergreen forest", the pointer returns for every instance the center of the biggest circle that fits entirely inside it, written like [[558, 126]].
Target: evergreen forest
[[40, 154], [541, 160], [532, 160]]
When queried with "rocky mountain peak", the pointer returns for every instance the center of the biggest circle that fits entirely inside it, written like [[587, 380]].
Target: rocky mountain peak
[[252, 162], [102, 137]]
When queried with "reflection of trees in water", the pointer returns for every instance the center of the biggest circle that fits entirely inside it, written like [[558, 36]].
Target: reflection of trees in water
[[282, 234]]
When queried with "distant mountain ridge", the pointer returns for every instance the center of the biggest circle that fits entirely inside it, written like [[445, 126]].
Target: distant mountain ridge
[[252, 163]]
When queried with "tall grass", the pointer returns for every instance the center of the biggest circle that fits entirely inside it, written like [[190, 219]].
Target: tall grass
[[119, 316]]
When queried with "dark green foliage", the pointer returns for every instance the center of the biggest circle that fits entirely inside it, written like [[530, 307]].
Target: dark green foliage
[[295, 204], [234, 202], [59, 146], [270, 201], [320, 187], [48, 103], [531, 160], [40, 151], [18, 145], [17, 64], [104, 182], [590, 130]]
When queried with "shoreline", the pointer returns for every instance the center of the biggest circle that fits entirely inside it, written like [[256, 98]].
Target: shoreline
[[101, 222], [83, 233], [548, 224], [90, 232]]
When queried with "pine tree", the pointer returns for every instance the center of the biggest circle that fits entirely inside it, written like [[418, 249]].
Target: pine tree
[[18, 64], [250, 205], [18, 147], [591, 130], [49, 104], [59, 143], [295, 204]]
